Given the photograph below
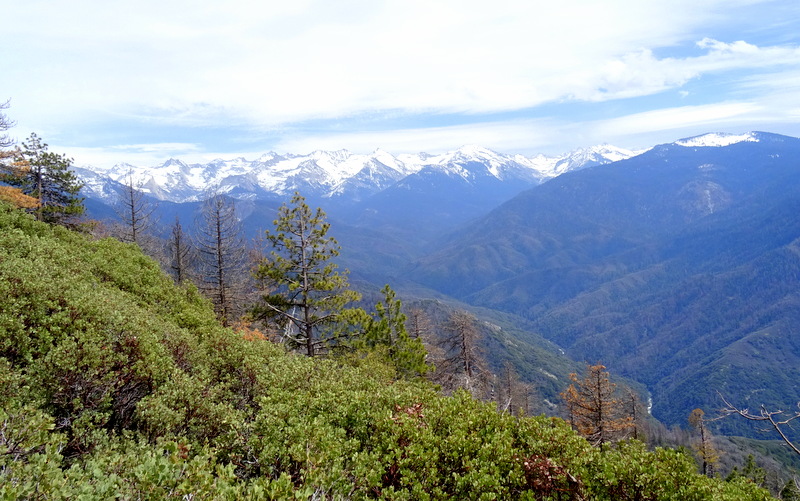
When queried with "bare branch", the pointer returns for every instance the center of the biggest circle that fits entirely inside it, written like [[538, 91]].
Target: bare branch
[[764, 415]]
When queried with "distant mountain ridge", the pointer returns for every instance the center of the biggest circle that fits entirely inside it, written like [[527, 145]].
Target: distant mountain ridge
[[679, 268], [330, 174]]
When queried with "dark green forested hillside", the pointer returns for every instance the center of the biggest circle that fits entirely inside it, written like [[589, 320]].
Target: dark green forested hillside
[[678, 268], [115, 383]]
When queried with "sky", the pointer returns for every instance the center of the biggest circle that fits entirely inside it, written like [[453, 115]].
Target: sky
[[144, 81]]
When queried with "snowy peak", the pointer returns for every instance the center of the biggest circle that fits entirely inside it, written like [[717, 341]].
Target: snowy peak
[[334, 173], [590, 157], [717, 139]]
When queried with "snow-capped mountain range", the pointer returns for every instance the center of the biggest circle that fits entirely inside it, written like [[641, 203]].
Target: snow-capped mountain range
[[344, 175], [330, 173]]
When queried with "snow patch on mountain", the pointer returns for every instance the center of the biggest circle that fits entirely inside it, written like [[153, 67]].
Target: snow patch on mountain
[[717, 139]]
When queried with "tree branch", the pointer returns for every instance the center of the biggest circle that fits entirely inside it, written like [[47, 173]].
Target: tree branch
[[764, 415]]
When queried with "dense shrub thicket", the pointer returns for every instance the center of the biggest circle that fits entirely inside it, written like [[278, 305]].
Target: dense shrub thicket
[[115, 383]]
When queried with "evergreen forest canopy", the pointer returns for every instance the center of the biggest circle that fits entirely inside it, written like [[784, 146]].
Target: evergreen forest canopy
[[116, 382]]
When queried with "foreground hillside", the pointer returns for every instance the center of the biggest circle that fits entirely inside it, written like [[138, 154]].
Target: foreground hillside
[[114, 383]]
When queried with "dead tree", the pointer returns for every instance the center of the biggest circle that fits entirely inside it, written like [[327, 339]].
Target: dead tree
[[6, 141], [594, 409], [180, 251], [511, 394], [221, 248], [704, 446], [777, 421], [135, 211], [463, 364]]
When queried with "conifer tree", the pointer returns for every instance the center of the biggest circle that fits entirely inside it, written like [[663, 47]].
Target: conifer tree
[[593, 408], [750, 471], [387, 327], [304, 295], [704, 447], [47, 177], [790, 491]]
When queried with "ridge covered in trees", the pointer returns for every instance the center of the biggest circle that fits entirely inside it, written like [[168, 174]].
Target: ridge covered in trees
[[117, 383]]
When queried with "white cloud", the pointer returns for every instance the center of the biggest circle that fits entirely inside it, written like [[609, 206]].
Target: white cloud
[[262, 65], [275, 61], [136, 154], [156, 147], [679, 118], [513, 136]]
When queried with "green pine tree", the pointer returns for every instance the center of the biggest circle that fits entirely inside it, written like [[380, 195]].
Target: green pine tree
[[305, 295], [46, 176], [387, 328], [790, 491]]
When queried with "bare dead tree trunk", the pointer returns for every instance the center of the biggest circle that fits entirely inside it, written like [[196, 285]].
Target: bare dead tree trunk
[[222, 254], [135, 211], [179, 252], [778, 421], [463, 364]]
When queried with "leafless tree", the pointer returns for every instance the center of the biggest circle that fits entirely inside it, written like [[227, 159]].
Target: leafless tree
[[462, 364], [221, 248], [6, 141], [10, 168], [419, 324], [180, 252], [637, 412], [511, 393], [778, 421], [135, 210]]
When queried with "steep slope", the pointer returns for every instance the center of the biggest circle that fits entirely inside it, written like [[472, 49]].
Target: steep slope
[[678, 267], [114, 383]]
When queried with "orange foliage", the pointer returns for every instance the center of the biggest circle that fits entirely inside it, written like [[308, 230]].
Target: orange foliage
[[594, 409], [250, 333], [17, 198]]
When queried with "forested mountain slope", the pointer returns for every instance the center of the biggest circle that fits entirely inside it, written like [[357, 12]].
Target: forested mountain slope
[[115, 383], [678, 267]]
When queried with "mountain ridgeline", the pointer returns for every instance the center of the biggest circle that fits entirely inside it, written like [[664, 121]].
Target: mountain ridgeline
[[677, 267]]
